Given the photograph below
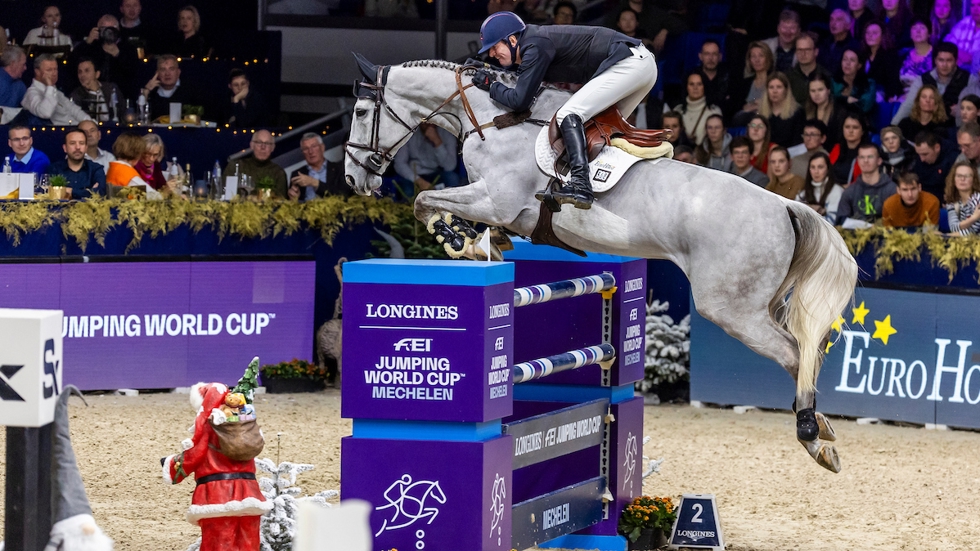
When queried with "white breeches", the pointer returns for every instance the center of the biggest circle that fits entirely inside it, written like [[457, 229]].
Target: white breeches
[[624, 85]]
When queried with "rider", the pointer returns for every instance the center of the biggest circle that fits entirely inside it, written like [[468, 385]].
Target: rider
[[614, 68]]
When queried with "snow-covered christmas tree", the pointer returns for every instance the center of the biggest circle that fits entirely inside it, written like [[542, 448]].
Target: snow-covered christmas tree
[[668, 347]]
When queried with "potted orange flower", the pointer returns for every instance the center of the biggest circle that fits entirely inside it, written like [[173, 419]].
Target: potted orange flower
[[293, 376], [647, 521]]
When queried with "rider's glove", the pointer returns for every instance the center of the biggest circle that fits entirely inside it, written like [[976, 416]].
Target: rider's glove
[[482, 79]]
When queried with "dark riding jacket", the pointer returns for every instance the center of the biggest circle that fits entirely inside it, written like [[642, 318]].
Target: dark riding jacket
[[561, 53]]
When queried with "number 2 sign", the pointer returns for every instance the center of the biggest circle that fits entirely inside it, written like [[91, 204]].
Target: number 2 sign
[[697, 524]]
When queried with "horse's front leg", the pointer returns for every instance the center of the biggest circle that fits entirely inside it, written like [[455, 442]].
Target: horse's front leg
[[445, 213]]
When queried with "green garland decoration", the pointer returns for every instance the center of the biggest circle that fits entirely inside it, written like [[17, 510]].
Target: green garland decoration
[[894, 244]]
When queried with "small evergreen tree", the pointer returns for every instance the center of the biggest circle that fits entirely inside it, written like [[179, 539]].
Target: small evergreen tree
[[668, 347]]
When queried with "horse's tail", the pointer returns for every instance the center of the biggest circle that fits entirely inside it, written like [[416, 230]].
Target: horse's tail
[[821, 277]]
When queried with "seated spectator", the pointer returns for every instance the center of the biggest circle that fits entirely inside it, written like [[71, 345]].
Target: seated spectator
[[565, 13], [881, 61], [166, 87], [782, 181], [628, 24], [860, 15], [862, 201], [806, 68], [758, 133], [747, 93], [427, 161], [928, 113], [824, 107], [940, 20], [695, 110], [918, 58], [714, 74], [404, 9], [115, 59], [150, 164], [951, 81], [259, 165], [133, 31], [12, 88], [128, 149], [840, 39], [248, 108], [910, 207], [85, 178], [820, 190], [318, 178], [92, 152], [783, 45], [843, 156], [814, 138], [784, 115], [188, 42], [49, 33], [673, 121], [24, 159], [966, 36], [45, 101], [684, 154], [852, 85], [103, 101], [897, 19], [898, 154], [969, 108], [655, 22], [934, 159], [962, 198], [968, 138], [741, 148], [713, 151]]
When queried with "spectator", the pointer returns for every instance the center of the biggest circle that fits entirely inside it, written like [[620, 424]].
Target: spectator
[[747, 96], [427, 161], [713, 151], [49, 33], [85, 177], [150, 166], [24, 158], [969, 107], [128, 149], [318, 178], [898, 154], [741, 148], [165, 87], [259, 165], [143, 38], [93, 153], [565, 13], [910, 207], [758, 133], [968, 138], [966, 36], [188, 42], [951, 81], [714, 74], [843, 156], [628, 25], [673, 122], [656, 23], [918, 58], [861, 203], [784, 115], [928, 113], [814, 138], [12, 88], [115, 59], [695, 109], [684, 154], [783, 45], [940, 20], [852, 84], [102, 101], [404, 9], [248, 109], [881, 61], [860, 16], [782, 181], [840, 39], [45, 101], [820, 190], [897, 21], [962, 198], [934, 160], [824, 107], [806, 67]]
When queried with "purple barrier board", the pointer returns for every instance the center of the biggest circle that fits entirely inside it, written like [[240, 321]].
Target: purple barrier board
[[169, 324]]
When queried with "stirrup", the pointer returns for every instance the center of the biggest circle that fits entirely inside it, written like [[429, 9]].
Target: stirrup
[[547, 197], [574, 195]]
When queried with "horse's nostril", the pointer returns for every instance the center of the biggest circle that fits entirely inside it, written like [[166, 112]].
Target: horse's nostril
[[350, 181]]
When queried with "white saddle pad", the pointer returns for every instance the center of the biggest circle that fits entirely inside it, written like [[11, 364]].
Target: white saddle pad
[[605, 170]]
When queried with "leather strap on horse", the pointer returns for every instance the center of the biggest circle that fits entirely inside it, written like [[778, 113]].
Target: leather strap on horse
[[466, 103], [544, 231]]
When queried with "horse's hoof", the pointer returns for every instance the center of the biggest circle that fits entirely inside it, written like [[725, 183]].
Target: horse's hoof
[[453, 253], [495, 253], [825, 454], [826, 429], [807, 429]]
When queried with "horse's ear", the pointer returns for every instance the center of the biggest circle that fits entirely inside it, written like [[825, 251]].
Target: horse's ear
[[368, 69]]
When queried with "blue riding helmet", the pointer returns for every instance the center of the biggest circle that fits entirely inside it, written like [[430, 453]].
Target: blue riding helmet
[[498, 27]]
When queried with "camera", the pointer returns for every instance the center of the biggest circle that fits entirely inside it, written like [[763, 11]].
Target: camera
[[109, 35]]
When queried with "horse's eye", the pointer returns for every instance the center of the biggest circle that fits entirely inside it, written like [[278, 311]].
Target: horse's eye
[[360, 112]]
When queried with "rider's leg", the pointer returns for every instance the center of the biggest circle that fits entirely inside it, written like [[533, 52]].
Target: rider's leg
[[578, 190]]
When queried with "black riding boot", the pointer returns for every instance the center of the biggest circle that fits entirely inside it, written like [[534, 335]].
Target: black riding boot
[[578, 190]]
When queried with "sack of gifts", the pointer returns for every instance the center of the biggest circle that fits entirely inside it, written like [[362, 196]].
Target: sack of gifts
[[241, 441]]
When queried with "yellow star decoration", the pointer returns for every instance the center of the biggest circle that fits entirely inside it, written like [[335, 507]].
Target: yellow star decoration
[[838, 324], [859, 313], [884, 329]]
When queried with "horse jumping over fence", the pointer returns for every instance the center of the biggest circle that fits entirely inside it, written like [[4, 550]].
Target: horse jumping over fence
[[770, 272]]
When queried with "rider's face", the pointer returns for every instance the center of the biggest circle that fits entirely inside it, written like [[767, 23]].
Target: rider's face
[[501, 51]]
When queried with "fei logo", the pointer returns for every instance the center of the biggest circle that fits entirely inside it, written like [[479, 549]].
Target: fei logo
[[413, 345], [410, 502]]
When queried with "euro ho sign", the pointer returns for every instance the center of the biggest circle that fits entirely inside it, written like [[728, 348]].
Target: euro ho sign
[[31, 366]]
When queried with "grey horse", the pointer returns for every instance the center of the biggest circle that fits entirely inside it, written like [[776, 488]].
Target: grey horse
[[770, 272]]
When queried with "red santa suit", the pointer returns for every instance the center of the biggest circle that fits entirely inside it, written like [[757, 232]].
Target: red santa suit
[[227, 502]]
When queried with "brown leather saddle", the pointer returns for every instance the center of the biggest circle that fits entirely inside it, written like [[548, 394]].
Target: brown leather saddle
[[600, 131]]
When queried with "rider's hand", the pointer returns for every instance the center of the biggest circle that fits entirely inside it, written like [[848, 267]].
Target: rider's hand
[[482, 79]]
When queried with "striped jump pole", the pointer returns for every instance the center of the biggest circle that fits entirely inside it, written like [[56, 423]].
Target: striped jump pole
[[547, 292], [574, 359]]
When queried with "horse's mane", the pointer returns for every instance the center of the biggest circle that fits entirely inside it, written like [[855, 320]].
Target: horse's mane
[[504, 76]]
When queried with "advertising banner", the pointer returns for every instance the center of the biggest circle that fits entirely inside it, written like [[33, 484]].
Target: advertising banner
[[168, 324]]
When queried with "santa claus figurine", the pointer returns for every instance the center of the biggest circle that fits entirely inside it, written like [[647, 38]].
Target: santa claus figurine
[[227, 502]]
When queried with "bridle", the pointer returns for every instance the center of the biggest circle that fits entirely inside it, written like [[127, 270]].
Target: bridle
[[379, 156]]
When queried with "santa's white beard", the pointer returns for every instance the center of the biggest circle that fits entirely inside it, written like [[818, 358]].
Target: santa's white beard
[[78, 533]]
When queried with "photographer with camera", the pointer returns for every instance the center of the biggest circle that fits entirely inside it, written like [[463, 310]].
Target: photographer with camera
[[114, 58]]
